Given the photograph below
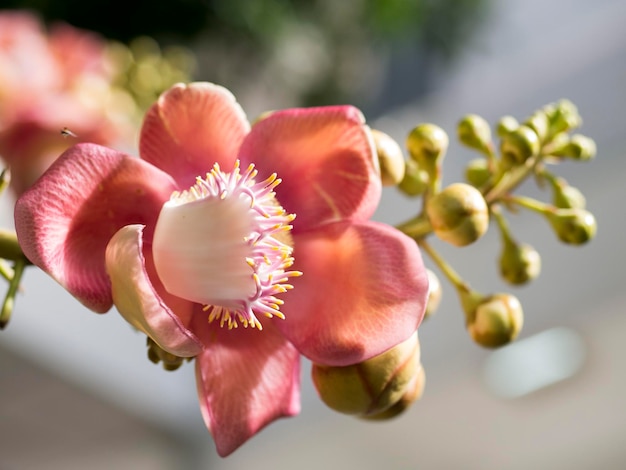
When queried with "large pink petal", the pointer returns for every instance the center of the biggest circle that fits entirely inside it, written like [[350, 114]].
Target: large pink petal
[[246, 379], [191, 128], [363, 290], [325, 158], [65, 220], [161, 316]]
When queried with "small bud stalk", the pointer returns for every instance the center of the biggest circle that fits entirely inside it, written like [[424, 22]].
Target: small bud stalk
[[519, 263], [572, 226]]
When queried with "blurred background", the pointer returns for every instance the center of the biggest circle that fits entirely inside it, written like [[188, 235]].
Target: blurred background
[[76, 389]]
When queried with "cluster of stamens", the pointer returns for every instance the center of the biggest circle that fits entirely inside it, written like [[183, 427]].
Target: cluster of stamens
[[270, 254]]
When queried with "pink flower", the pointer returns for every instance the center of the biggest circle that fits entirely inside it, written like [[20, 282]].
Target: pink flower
[[49, 81], [191, 271]]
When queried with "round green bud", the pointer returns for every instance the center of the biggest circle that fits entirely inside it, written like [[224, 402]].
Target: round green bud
[[519, 145], [505, 125], [414, 392], [496, 321], [581, 148], [565, 196], [415, 180], [563, 116], [372, 386], [458, 214], [477, 172], [390, 158], [435, 293], [519, 263], [156, 354], [540, 123], [427, 142], [573, 226], [474, 132]]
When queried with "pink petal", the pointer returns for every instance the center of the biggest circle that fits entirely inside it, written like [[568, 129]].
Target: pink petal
[[191, 128], [363, 290], [325, 158], [65, 220], [246, 379], [161, 316]]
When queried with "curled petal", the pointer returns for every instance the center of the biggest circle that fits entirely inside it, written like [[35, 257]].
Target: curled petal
[[191, 128], [364, 290], [65, 220], [246, 379], [138, 300], [325, 158]]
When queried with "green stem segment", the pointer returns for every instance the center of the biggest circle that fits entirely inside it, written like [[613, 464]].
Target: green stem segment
[[469, 298], [9, 300]]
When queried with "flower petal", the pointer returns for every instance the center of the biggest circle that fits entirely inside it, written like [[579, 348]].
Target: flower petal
[[65, 220], [325, 158], [191, 128], [246, 379], [363, 290], [161, 316]]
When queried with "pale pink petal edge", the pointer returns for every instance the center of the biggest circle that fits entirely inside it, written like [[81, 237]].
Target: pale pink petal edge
[[138, 301]]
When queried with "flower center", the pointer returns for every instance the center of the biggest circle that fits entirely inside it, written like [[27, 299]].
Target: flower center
[[224, 243]]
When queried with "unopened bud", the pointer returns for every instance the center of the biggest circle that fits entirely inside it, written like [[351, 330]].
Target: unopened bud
[[519, 263], [540, 123], [563, 116], [458, 214], [475, 132], [572, 226], [477, 172], [435, 292], [505, 125], [579, 147], [566, 196], [390, 158], [156, 354], [372, 386], [414, 392], [415, 179], [427, 142], [495, 321], [519, 145]]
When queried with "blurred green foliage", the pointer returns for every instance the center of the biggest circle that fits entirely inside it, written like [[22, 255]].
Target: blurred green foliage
[[340, 46]]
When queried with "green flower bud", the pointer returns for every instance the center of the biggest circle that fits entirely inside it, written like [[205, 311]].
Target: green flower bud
[[415, 179], [372, 386], [519, 263], [563, 116], [390, 158], [540, 123], [496, 320], [580, 147], [156, 354], [566, 196], [505, 125], [435, 292], [414, 392], [458, 214], [572, 226], [477, 172], [475, 132], [426, 143], [519, 145]]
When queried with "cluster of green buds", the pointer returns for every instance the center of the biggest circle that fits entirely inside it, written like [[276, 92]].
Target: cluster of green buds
[[459, 214], [144, 70], [12, 261]]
